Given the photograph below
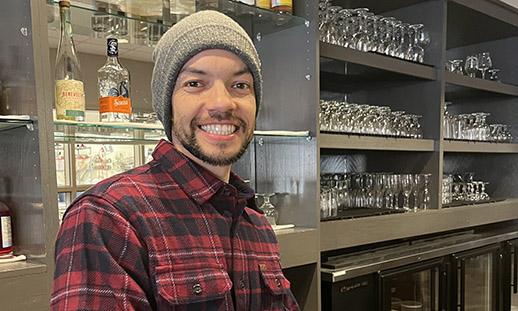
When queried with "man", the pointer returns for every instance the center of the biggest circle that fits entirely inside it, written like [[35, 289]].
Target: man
[[181, 232]]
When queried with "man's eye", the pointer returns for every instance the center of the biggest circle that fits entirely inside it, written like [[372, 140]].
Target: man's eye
[[241, 85], [193, 84]]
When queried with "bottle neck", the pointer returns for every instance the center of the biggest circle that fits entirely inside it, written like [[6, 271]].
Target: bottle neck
[[66, 41]]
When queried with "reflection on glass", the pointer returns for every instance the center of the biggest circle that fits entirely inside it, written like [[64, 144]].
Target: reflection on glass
[[63, 202], [60, 165], [478, 283], [415, 291], [95, 162]]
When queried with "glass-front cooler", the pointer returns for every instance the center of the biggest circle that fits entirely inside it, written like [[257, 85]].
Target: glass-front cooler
[[413, 287], [476, 279]]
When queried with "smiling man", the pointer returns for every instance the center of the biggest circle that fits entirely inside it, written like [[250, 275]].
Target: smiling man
[[181, 232]]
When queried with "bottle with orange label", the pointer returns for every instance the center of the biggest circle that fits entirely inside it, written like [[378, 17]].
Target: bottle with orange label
[[113, 82]]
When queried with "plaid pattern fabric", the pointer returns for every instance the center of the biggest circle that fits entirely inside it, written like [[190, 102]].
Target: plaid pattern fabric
[[168, 236]]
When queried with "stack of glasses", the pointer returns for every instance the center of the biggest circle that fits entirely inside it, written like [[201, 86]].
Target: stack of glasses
[[342, 191], [342, 117], [474, 127], [462, 188], [362, 30]]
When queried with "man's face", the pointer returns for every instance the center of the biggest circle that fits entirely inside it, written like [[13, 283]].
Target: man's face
[[214, 108]]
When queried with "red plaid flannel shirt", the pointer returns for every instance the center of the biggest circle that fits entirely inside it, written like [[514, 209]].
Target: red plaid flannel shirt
[[168, 236]]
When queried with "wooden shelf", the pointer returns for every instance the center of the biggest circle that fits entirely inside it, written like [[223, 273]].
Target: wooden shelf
[[298, 246], [478, 84], [377, 61], [478, 147], [359, 142], [337, 234], [21, 268]]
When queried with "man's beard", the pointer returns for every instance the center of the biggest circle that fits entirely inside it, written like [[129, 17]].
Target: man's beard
[[190, 143]]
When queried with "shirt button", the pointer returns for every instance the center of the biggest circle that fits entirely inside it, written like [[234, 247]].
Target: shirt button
[[227, 192], [197, 289], [278, 282], [242, 283]]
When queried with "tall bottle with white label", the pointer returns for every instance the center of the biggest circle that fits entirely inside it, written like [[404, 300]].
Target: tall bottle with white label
[[69, 87], [6, 239], [113, 82]]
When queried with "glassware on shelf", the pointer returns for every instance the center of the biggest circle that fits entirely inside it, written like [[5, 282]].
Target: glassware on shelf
[[467, 190], [270, 212], [340, 192], [363, 30], [471, 65], [493, 74], [343, 117], [407, 184], [484, 63]]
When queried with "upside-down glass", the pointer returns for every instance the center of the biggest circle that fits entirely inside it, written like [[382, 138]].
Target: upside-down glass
[[471, 65], [484, 63]]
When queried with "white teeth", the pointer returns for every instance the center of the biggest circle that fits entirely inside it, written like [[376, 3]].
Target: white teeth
[[219, 129]]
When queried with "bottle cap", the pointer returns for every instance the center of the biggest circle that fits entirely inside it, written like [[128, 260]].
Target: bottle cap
[[113, 47], [64, 3]]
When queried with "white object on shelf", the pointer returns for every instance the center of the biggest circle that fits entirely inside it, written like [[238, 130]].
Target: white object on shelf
[[280, 227], [13, 259]]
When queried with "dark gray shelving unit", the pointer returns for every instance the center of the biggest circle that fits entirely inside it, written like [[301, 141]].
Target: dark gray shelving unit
[[298, 70]]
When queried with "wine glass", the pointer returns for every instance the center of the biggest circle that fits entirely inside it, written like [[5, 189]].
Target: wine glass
[[471, 65], [484, 63], [269, 210]]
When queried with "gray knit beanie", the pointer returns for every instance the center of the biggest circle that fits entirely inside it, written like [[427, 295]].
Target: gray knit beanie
[[200, 31]]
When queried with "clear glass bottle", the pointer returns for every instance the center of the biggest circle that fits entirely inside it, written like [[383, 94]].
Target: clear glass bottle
[[69, 87], [113, 82], [6, 240]]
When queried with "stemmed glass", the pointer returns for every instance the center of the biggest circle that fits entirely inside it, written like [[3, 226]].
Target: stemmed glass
[[484, 63], [407, 184], [269, 210], [425, 203], [423, 38], [415, 51], [471, 66]]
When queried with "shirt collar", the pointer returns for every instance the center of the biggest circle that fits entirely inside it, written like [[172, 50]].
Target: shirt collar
[[195, 180]]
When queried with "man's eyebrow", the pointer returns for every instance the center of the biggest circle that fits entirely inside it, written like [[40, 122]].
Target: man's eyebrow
[[202, 72], [193, 70], [242, 72]]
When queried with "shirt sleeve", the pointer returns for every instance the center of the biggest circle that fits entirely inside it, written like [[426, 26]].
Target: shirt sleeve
[[101, 262]]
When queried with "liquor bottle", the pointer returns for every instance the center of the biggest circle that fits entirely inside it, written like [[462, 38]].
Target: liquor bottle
[[69, 87], [113, 82], [283, 6], [6, 241]]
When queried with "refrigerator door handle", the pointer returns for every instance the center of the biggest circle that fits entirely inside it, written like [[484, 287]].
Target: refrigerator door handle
[[462, 284], [515, 270]]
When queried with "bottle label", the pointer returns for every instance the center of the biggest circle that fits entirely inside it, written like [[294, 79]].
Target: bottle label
[[113, 47], [118, 104], [70, 99], [5, 230], [281, 2], [265, 4]]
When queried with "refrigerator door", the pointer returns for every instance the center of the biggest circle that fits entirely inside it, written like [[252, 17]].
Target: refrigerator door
[[475, 276], [413, 287]]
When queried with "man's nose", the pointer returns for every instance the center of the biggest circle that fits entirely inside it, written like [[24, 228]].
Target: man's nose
[[219, 98]]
